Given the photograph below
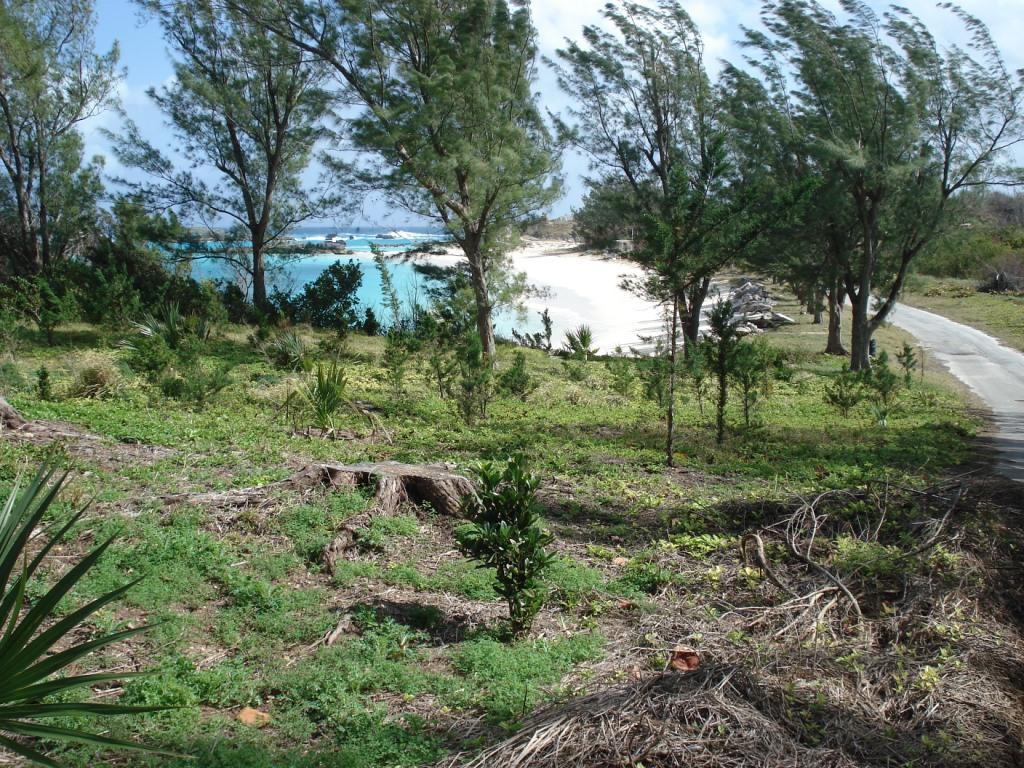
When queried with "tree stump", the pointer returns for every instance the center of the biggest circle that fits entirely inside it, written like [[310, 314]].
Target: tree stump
[[393, 484], [10, 418]]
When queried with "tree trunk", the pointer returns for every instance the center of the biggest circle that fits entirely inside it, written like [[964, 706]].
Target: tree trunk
[[259, 279], [482, 299], [693, 302], [722, 370], [44, 217], [836, 300], [817, 308], [673, 354], [9, 417], [860, 340]]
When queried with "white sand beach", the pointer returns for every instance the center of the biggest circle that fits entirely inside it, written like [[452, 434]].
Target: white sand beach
[[585, 288]]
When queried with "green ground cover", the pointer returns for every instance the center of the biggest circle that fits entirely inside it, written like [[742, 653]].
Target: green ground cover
[[242, 601]]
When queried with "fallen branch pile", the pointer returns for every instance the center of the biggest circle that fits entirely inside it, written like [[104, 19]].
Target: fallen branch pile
[[702, 719]]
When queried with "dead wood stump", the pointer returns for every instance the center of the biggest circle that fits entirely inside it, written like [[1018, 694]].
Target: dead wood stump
[[393, 484], [9, 417]]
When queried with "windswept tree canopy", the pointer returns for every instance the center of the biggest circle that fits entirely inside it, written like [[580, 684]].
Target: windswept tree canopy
[[898, 123], [442, 97], [249, 107]]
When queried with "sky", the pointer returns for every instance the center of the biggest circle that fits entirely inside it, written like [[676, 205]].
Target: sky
[[147, 63]]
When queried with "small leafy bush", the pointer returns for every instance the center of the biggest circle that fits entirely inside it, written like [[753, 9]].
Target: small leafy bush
[[331, 300], [881, 380], [623, 373], [517, 381], [398, 350], [504, 533], [475, 379], [150, 356], [11, 377], [196, 384], [184, 334], [907, 358], [645, 575], [44, 384], [845, 391]]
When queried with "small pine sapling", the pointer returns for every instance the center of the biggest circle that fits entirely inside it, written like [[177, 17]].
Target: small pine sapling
[[623, 372], [882, 381], [907, 358], [475, 379], [845, 392], [517, 381], [721, 351]]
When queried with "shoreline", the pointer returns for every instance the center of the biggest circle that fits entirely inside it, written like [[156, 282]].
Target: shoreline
[[581, 287]]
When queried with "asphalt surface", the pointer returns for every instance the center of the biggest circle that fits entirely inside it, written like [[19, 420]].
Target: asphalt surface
[[992, 371]]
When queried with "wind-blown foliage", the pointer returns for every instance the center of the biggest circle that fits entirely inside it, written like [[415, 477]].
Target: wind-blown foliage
[[448, 108], [898, 124], [248, 107], [51, 81]]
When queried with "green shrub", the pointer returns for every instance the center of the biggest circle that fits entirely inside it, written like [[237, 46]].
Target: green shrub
[[579, 343], [907, 358], [881, 380], [44, 385], [504, 533], [11, 377], [150, 356], [323, 394], [475, 379], [398, 349], [330, 301], [517, 381], [845, 391], [654, 370], [196, 384], [644, 575], [623, 373], [45, 300], [186, 335]]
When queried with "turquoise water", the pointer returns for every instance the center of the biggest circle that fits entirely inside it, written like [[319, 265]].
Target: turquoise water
[[410, 286]]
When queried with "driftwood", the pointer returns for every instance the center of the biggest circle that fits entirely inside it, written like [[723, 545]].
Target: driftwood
[[9, 417], [392, 483]]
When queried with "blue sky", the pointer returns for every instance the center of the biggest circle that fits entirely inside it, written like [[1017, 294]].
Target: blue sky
[[146, 61]]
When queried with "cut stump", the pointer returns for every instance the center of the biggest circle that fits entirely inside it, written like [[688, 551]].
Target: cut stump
[[393, 484], [9, 417]]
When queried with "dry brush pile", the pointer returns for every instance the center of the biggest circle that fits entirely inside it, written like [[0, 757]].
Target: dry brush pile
[[858, 628]]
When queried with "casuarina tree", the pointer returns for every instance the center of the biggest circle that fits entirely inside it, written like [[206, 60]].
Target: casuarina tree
[[444, 103], [899, 124], [249, 111]]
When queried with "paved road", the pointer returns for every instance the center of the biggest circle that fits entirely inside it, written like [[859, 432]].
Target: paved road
[[994, 372]]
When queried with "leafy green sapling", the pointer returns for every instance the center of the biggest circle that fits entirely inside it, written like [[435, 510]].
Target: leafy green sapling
[[504, 533]]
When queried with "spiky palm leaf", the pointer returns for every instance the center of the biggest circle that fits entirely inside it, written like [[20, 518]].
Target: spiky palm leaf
[[31, 667]]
